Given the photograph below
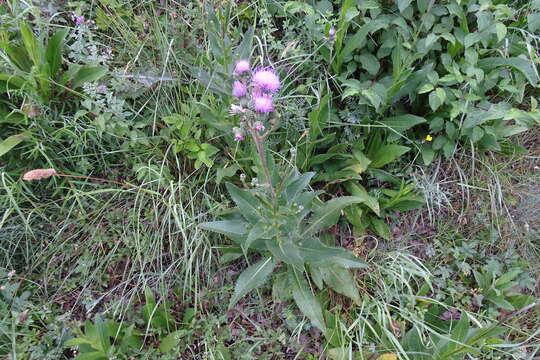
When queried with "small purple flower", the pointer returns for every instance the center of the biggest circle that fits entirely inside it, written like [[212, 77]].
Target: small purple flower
[[101, 88], [237, 110], [79, 20], [263, 104], [241, 66], [332, 32], [258, 126], [267, 80], [239, 89], [238, 134]]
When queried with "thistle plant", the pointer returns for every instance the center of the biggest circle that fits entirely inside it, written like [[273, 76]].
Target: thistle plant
[[280, 217]]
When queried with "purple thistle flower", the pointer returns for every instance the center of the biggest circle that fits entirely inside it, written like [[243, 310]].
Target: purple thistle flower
[[267, 80], [332, 32], [239, 89], [79, 20], [101, 88], [238, 134], [241, 66], [263, 104], [258, 126]]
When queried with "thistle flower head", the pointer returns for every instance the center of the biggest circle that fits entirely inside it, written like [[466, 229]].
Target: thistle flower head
[[38, 174], [79, 20], [267, 80], [332, 32], [241, 66], [101, 88], [238, 134], [258, 126], [263, 103], [239, 89]]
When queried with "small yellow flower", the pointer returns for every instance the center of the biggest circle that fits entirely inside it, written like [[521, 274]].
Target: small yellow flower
[[429, 138], [387, 356]]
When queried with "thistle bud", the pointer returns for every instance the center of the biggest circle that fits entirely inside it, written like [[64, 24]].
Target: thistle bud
[[238, 134], [258, 126]]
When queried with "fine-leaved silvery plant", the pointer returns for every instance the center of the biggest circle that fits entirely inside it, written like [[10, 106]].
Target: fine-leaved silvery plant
[[280, 217]]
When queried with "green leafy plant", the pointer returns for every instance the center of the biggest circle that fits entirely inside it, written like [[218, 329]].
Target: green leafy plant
[[186, 134], [285, 230], [36, 75], [500, 292], [280, 218], [460, 340], [103, 339], [27, 328], [37, 67], [361, 162], [446, 61]]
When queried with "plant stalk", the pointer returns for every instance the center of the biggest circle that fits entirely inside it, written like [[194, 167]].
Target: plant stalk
[[260, 151]]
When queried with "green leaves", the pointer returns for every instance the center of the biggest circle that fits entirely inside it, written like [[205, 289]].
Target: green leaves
[[437, 98], [318, 118], [247, 203], [88, 74], [403, 4], [386, 154], [226, 227], [370, 63], [170, 341], [298, 185], [533, 21], [9, 143], [306, 301], [526, 67], [53, 52], [328, 214], [341, 281], [244, 49], [359, 191], [458, 337], [33, 48], [312, 250], [261, 230], [251, 278], [403, 123]]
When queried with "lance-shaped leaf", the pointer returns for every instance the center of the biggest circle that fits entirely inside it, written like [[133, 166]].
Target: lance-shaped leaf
[[295, 187], [402, 123], [88, 74], [328, 214], [32, 46], [341, 280], [304, 298], [261, 230], [232, 228], [244, 49], [359, 191], [53, 52], [7, 144], [253, 277], [313, 251], [246, 201], [284, 249]]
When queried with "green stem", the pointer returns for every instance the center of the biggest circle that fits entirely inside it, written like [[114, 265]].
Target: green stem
[[264, 164]]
